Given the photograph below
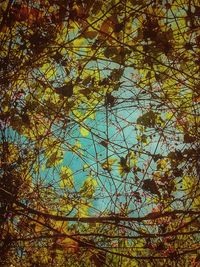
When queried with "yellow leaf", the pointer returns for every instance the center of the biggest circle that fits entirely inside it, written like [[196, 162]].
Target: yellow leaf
[[107, 165], [88, 187], [76, 146], [190, 185], [61, 226], [82, 210], [84, 132], [5, 108], [92, 115], [67, 179], [54, 159], [48, 70], [169, 115], [67, 244], [86, 167]]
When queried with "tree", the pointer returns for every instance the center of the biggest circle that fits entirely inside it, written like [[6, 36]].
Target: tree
[[99, 133]]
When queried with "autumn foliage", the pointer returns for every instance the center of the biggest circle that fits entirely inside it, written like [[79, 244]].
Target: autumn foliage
[[99, 133]]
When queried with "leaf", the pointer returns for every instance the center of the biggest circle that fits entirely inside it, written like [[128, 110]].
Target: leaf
[[156, 157], [82, 210], [65, 90], [87, 80], [188, 138], [84, 132], [67, 244], [127, 163], [26, 119], [109, 99], [109, 52], [88, 187], [67, 179], [191, 186], [162, 164], [150, 186], [153, 215], [48, 71], [90, 34], [119, 27], [123, 166], [104, 143], [92, 115], [107, 165], [78, 42], [58, 57], [76, 147], [148, 119], [54, 159], [108, 24], [116, 74], [188, 182]]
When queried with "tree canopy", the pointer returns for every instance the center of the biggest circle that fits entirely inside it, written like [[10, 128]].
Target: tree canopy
[[99, 124]]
